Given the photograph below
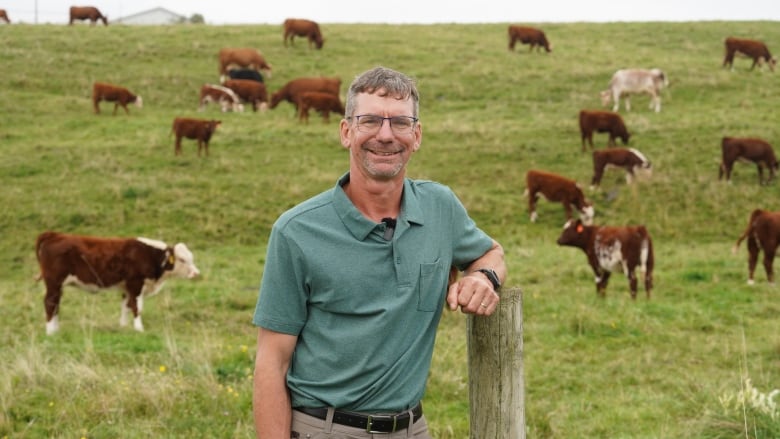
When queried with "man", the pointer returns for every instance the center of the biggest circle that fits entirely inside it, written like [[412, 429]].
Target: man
[[356, 278]]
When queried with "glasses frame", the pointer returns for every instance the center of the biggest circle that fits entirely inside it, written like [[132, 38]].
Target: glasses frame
[[388, 119]]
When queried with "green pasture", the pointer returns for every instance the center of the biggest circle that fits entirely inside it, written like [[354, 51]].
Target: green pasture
[[679, 365]]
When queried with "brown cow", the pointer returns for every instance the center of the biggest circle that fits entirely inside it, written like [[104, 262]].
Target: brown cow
[[754, 49], [113, 93], [138, 266], [753, 150], [629, 159], [528, 35], [556, 188], [602, 122], [244, 57], [227, 99], [763, 233], [613, 249], [293, 89], [303, 28], [249, 91], [90, 13], [197, 129], [322, 102], [4, 16]]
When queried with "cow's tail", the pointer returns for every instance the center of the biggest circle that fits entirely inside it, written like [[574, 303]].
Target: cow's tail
[[748, 230], [645, 250], [40, 242]]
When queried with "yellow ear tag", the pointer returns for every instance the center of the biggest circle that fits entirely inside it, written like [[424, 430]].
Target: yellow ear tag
[[171, 259]]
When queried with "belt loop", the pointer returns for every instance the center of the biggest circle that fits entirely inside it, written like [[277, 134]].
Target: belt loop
[[329, 420], [409, 429]]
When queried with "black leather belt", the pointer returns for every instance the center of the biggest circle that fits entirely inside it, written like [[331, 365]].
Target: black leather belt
[[369, 423]]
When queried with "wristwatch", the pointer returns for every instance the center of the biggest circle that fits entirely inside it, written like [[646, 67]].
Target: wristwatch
[[492, 277]]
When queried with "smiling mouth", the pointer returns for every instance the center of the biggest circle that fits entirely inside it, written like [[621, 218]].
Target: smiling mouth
[[384, 153]]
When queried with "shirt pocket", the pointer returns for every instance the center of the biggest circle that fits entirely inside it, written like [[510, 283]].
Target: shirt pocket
[[432, 285]]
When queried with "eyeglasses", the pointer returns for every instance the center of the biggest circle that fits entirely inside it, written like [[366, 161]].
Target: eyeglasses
[[371, 123]]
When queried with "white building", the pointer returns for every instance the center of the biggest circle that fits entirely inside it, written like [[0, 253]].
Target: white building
[[154, 16]]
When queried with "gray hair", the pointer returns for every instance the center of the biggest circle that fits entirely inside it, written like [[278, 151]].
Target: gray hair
[[385, 81]]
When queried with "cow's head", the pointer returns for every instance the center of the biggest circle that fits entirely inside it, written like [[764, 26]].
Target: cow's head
[[606, 97], [771, 63], [183, 262], [574, 234], [139, 102]]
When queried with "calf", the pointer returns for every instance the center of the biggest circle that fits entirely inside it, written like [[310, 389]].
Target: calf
[[197, 129], [303, 28], [602, 122], [137, 266], [611, 249], [90, 13], [249, 91], [753, 150], [243, 57], [754, 49], [322, 102], [114, 93], [4, 16], [627, 158], [556, 188], [228, 100], [632, 81], [528, 35], [762, 233], [293, 89]]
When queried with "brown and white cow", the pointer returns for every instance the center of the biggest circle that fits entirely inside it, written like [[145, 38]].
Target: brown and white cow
[[4, 16], [102, 91], [197, 129], [558, 189], [763, 234], [754, 49], [249, 91], [602, 122], [528, 35], [629, 159], [90, 13], [292, 91], [244, 57], [610, 249], [227, 99], [137, 266], [635, 81], [747, 149], [324, 103], [303, 28]]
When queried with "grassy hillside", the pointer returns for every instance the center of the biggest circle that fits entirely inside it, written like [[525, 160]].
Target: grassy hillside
[[594, 367]]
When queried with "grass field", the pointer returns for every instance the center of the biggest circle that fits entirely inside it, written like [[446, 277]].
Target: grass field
[[669, 367]]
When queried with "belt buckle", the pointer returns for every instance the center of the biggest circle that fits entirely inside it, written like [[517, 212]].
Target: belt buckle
[[370, 422]]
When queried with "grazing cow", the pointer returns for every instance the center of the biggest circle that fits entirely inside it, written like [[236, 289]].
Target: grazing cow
[[611, 249], [303, 28], [250, 74], [556, 188], [113, 93], [635, 81], [243, 57], [228, 99], [292, 90], [90, 13], [249, 91], [528, 35], [197, 129], [754, 49], [627, 158], [753, 150], [137, 266], [4, 16], [322, 102], [763, 233], [602, 122]]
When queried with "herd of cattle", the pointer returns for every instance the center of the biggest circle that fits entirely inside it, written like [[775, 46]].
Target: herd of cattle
[[629, 249], [139, 266]]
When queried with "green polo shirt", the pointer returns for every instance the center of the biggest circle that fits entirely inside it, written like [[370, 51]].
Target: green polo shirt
[[365, 309]]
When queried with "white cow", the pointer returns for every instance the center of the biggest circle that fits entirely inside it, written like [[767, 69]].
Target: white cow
[[635, 81]]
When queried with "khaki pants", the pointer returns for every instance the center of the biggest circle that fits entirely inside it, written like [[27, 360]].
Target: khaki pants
[[309, 427]]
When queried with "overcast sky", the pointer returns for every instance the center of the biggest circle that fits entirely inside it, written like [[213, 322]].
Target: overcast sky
[[411, 11]]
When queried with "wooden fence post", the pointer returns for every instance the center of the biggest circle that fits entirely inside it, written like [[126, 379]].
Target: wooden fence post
[[496, 386]]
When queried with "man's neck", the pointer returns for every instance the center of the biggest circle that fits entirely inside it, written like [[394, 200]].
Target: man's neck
[[375, 199]]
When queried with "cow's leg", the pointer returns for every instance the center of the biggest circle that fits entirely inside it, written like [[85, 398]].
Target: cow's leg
[[116, 107], [648, 283], [177, 146], [51, 303], [206, 148], [760, 173], [753, 250], [532, 199], [95, 102], [769, 257], [200, 146], [602, 278], [629, 174], [134, 303], [568, 209], [628, 103], [598, 172], [632, 282]]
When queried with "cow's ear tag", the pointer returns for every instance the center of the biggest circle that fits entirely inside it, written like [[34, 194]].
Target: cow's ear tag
[[580, 228], [171, 259]]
